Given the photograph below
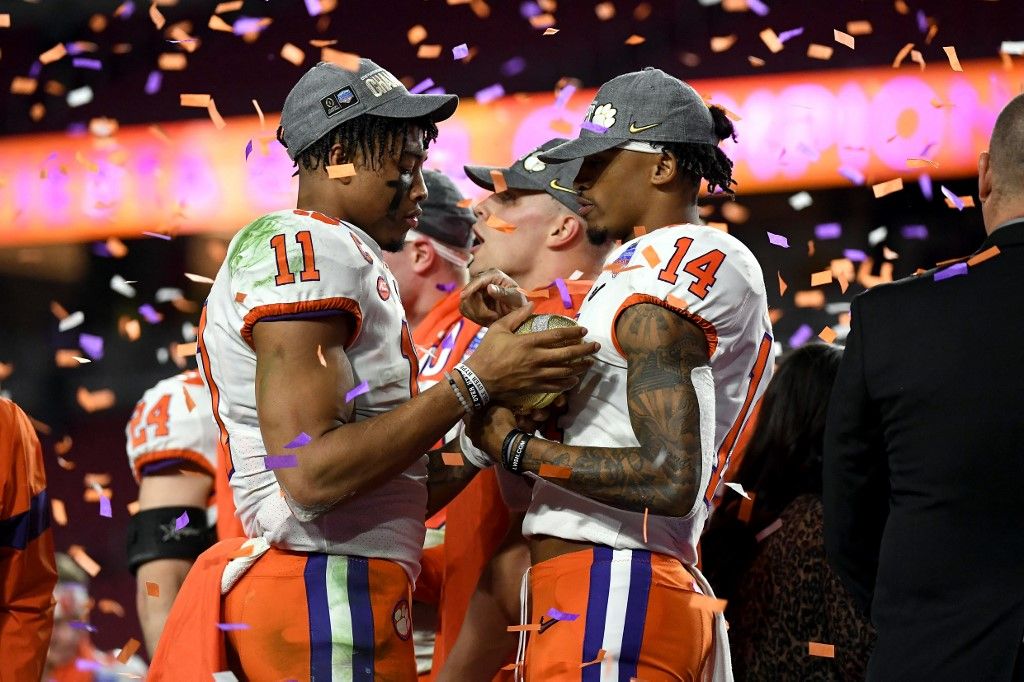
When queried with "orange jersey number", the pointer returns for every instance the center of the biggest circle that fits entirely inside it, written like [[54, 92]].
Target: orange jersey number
[[704, 268], [284, 275], [157, 416]]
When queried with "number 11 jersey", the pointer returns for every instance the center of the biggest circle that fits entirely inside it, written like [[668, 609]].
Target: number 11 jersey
[[292, 265]]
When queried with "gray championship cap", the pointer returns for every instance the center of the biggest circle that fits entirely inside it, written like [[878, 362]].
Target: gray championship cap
[[531, 174], [328, 95], [646, 106], [443, 219]]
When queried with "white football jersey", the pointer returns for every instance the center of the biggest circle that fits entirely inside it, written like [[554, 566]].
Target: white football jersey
[[713, 280], [295, 264], [173, 421]]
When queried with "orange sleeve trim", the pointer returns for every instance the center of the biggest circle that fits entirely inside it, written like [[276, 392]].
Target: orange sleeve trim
[[338, 303], [710, 333], [161, 455]]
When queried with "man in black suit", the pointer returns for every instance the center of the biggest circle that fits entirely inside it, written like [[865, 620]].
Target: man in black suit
[[924, 450]]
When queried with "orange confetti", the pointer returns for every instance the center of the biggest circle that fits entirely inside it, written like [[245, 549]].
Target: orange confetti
[[240, 297], [635, 40], [493, 221], [37, 111], [755, 61], [346, 60], [344, 170], [746, 507], [218, 120], [6, 369], [820, 278], [428, 51], [498, 179], [58, 511], [915, 162], [185, 350], [902, 54], [5, 20], [823, 650], [902, 7], [990, 252], [544, 21], [550, 31], [156, 16], [954, 63], [651, 255], [769, 38], [159, 133], [828, 335], [96, 479], [604, 10], [323, 43], [293, 54], [58, 310], [917, 58], [888, 187], [932, 30], [823, 52], [554, 471], [218, 24], [232, 6], [416, 35], [530, 627], [111, 607], [723, 43], [56, 52], [464, 203], [676, 302], [152, 589], [843, 38], [116, 247], [95, 401], [189, 403], [968, 201], [706, 603], [171, 61], [598, 659], [858, 28], [67, 357], [78, 553], [128, 650], [20, 85], [645, 524], [453, 459]]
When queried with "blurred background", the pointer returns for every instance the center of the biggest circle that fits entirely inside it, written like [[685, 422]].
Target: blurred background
[[118, 194]]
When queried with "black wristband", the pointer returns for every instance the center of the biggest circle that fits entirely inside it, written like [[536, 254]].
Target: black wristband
[[512, 457]]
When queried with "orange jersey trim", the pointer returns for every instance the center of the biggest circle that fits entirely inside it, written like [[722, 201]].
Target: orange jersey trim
[[336, 303], [710, 333], [181, 453]]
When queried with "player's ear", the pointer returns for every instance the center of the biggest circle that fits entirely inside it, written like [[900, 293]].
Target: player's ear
[[564, 230], [984, 176], [665, 169], [336, 157], [422, 256]]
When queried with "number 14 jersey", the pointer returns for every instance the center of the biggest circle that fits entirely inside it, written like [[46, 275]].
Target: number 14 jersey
[[291, 265]]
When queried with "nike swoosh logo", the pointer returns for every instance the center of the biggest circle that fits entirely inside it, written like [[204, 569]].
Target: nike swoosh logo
[[634, 128], [594, 292], [555, 185]]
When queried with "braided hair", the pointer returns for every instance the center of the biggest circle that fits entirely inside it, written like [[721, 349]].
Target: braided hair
[[375, 138], [705, 161]]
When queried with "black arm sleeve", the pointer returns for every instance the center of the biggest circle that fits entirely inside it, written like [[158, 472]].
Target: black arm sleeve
[[153, 534], [856, 475]]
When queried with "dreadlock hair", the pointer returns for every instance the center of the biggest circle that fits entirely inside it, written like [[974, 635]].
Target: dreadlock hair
[[375, 138], [705, 161]]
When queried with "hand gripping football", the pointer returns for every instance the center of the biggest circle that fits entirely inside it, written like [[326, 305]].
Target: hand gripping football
[[538, 323]]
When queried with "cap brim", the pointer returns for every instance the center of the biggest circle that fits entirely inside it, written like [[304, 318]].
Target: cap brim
[[481, 176], [435, 107], [579, 148]]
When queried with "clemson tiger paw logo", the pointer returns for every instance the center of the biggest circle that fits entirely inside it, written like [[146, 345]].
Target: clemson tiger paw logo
[[604, 115], [402, 620], [534, 164]]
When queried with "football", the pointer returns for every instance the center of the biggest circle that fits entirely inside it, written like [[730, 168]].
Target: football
[[539, 323]]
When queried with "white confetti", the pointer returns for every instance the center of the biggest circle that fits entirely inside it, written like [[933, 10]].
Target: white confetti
[[737, 487], [771, 528], [226, 676], [878, 235], [188, 331], [71, 321], [199, 278], [122, 286], [800, 201], [80, 96], [1013, 47], [168, 294]]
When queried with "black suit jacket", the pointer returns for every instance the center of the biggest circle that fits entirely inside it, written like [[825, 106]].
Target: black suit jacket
[[924, 469]]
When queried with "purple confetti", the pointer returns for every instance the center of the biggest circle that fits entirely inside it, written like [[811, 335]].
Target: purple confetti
[[801, 336], [280, 461], [513, 67], [758, 7], [925, 183], [563, 291], [828, 231], [434, 91], [927, 148], [248, 149], [86, 63], [562, 615], [77, 128], [232, 626], [778, 240], [245, 25], [564, 95], [150, 314], [165, 237], [100, 249], [856, 255], [852, 174], [954, 270], [357, 391], [448, 342], [153, 82], [127, 9], [181, 521], [460, 51], [490, 93], [105, 509], [914, 232], [92, 345], [952, 197], [529, 9], [75, 49], [593, 127], [79, 625], [299, 440], [786, 35], [86, 664], [446, 287], [314, 8], [421, 86], [922, 21], [35, 69]]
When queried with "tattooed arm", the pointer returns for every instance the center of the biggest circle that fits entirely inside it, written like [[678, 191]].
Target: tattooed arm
[[662, 475], [445, 481]]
